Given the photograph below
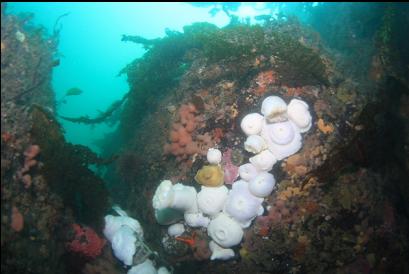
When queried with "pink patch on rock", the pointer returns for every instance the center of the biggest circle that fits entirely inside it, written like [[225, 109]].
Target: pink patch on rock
[[26, 181], [17, 220], [31, 152], [231, 172]]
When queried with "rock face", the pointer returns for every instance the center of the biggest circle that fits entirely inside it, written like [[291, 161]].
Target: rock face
[[338, 205], [40, 173], [325, 184], [29, 210]]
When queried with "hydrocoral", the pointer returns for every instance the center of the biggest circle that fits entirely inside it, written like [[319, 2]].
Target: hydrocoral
[[183, 142], [86, 242]]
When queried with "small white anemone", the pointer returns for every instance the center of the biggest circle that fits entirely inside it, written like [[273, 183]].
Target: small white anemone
[[274, 109], [264, 161], [211, 199], [219, 252], [298, 112], [162, 198], [262, 185], [214, 156], [176, 196], [123, 232], [176, 230], [241, 205], [281, 133], [114, 223], [255, 144], [124, 244], [225, 231], [184, 198], [248, 172], [196, 220], [283, 139], [252, 123]]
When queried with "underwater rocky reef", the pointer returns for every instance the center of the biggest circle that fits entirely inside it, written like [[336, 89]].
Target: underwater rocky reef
[[340, 198], [46, 185]]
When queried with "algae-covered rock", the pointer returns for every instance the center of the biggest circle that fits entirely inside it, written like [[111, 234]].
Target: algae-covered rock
[[66, 168], [317, 220]]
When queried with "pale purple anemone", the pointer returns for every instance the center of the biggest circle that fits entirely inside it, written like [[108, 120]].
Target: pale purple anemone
[[231, 172]]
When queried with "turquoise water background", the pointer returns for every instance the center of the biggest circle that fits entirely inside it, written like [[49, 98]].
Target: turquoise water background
[[92, 53]]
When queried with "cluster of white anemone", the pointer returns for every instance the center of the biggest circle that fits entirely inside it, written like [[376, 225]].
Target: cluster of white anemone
[[272, 136], [276, 134]]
